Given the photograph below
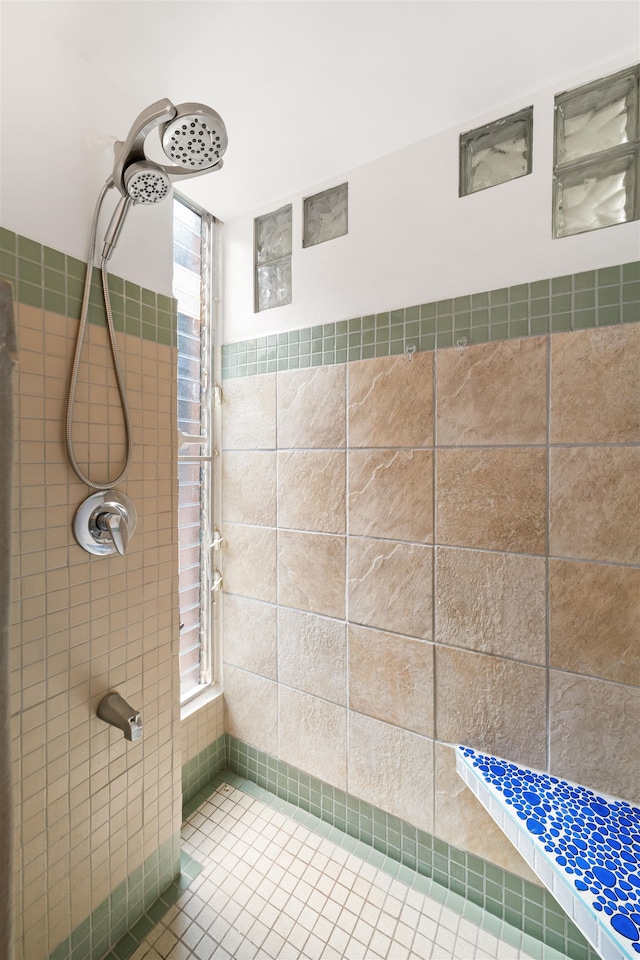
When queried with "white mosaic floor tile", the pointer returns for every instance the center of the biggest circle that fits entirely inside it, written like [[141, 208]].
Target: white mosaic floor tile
[[272, 889]]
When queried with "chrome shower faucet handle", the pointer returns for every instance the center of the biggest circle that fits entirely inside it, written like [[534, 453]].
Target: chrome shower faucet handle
[[105, 522]]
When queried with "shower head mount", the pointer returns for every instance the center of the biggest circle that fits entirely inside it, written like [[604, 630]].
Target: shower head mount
[[193, 137]]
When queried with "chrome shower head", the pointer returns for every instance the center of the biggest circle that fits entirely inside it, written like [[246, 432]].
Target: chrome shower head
[[196, 138], [193, 137], [146, 182]]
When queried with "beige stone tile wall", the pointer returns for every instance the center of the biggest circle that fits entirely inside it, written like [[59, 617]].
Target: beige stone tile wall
[[454, 558], [90, 806]]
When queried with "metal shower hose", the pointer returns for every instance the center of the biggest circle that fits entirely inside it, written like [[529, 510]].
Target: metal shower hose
[[114, 353]]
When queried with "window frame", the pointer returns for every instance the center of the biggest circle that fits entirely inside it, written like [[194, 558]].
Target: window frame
[[206, 454]]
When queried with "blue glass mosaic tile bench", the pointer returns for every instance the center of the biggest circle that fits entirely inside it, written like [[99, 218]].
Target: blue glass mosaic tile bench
[[585, 848]]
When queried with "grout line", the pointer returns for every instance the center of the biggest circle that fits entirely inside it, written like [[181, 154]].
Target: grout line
[[548, 567]]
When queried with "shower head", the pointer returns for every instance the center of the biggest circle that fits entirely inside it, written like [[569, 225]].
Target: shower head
[[146, 182], [193, 137]]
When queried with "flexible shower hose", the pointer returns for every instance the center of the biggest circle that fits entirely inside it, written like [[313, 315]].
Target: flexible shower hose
[[94, 485]]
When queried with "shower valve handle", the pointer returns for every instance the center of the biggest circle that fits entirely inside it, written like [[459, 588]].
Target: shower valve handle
[[105, 522], [114, 523]]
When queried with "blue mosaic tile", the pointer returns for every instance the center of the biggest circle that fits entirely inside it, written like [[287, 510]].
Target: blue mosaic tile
[[590, 841]]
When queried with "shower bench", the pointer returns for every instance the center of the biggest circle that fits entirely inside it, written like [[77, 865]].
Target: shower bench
[[585, 848]]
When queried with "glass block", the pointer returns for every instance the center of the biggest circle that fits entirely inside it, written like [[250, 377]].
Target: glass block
[[325, 216], [498, 152], [273, 235], [596, 194], [273, 282], [597, 116]]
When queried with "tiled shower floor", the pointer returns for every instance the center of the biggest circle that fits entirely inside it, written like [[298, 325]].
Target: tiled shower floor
[[270, 887]]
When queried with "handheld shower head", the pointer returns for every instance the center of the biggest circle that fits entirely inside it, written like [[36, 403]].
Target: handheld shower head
[[146, 182], [196, 138]]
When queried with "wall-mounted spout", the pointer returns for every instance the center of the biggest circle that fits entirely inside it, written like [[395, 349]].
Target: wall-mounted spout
[[115, 710]]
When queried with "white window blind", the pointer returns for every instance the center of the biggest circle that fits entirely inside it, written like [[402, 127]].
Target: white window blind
[[192, 287]]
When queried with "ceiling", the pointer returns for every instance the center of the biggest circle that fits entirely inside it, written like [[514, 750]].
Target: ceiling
[[310, 89]]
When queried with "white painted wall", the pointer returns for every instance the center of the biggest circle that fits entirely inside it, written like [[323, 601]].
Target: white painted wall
[[52, 100], [412, 240]]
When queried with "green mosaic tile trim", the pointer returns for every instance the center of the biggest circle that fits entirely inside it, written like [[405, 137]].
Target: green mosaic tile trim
[[45, 278], [129, 943], [150, 887], [573, 302], [519, 903], [201, 770]]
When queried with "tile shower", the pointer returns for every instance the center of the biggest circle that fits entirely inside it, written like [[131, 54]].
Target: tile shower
[[438, 547], [96, 822], [361, 603]]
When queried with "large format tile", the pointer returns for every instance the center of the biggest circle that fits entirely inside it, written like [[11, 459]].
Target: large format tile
[[391, 678], [594, 612], [492, 603], [250, 635], [313, 735], [391, 494], [242, 691], [390, 402], [249, 487], [390, 586], [492, 393], [311, 407], [311, 572], [311, 490], [594, 385], [312, 654], [461, 820], [595, 503], [249, 561], [493, 499], [593, 731], [249, 413], [392, 769], [492, 704]]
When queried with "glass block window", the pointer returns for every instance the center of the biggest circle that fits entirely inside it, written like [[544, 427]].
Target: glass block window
[[498, 152], [273, 244], [325, 216], [597, 154], [193, 279]]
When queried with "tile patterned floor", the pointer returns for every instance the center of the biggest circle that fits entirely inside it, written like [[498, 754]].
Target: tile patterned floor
[[270, 887]]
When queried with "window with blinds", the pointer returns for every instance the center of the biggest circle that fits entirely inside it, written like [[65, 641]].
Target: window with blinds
[[192, 288]]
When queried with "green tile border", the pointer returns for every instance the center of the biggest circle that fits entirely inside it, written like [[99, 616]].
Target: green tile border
[[576, 301], [415, 856], [50, 280], [201, 770], [147, 893], [131, 940]]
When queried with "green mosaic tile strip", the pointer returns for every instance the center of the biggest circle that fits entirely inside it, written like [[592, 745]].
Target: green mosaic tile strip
[[45, 278], [131, 940], [573, 302], [388, 840], [201, 770], [147, 893]]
